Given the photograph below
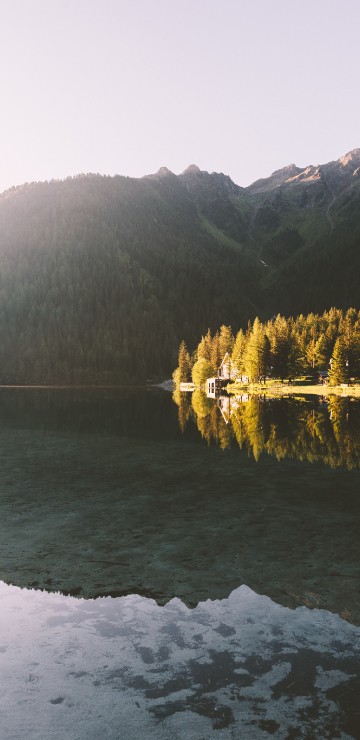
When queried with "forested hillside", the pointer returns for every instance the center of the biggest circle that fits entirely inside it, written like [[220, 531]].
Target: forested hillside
[[101, 277]]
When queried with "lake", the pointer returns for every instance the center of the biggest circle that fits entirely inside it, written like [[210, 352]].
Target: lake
[[178, 567]]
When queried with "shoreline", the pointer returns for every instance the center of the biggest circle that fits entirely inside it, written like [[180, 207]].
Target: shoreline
[[79, 387], [255, 389], [284, 389]]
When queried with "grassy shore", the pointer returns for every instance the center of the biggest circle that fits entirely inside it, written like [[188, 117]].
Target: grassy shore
[[275, 389]]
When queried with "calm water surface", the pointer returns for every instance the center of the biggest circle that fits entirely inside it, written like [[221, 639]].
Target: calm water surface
[[232, 512]]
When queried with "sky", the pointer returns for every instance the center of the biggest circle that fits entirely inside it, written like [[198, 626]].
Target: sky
[[128, 86]]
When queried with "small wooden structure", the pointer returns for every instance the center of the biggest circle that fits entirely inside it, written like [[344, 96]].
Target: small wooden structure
[[214, 387], [227, 373], [227, 369]]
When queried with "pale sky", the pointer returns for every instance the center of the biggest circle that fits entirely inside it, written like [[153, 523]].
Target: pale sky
[[127, 86]]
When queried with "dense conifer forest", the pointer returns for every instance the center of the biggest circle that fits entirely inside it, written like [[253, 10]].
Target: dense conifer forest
[[101, 277], [282, 348]]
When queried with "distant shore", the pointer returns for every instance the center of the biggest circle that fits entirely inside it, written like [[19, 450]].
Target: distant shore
[[274, 390]]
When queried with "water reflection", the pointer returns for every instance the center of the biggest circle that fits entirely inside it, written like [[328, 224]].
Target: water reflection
[[318, 430], [127, 668], [102, 494]]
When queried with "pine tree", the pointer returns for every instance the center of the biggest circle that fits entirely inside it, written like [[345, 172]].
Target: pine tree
[[238, 352], [339, 363], [257, 352], [349, 328], [322, 351], [226, 340], [215, 354], [355, 360], [184, 364], [204, 347], [280, 347]]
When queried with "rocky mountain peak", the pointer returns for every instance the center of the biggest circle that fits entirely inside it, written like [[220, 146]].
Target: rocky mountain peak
[[309, 174], [192, 169], [290, 170], [163, 172], [277, 178], [352, 157]]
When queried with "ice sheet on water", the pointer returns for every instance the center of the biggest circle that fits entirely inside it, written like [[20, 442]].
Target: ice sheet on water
[[240, 667]]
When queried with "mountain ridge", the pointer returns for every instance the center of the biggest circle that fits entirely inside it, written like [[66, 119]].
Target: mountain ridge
[[100, 277], [287, 174], [284, 174]]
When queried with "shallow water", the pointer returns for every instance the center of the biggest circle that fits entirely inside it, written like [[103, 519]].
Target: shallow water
[[101, 493], [242, 668]]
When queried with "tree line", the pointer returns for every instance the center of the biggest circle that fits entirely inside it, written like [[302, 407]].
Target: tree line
[[281, 348]]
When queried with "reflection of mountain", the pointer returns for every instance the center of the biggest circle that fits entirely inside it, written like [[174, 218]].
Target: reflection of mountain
[[325, 431], [167, 672]]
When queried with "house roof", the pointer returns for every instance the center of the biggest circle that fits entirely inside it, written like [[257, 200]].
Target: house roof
[[226, 358]]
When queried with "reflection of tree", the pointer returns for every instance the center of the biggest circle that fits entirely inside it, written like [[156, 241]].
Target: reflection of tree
[[183, 401], [253, 422], [314, 431], [209, 421], [201, 404], [345, 425]]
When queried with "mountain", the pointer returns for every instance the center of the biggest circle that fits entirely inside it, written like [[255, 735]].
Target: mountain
[[307, 229], [101, 277], [334, 177]]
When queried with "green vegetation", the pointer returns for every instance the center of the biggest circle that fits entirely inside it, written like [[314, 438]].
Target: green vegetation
[[285, 348], [201, 371], [183, 369], [101, 277]]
